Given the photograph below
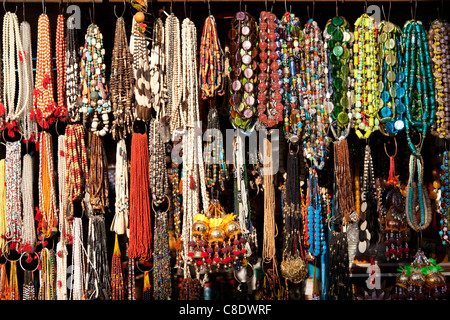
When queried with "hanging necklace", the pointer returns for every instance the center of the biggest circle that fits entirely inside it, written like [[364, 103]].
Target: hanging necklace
[[365, 74], [175, 83], [79, 272], [158, 70], [438, 43], [292, 42], [121, 84], [339, 42], [270, 108], [243, 66], [211, 61], [443, 200], [29, 127], [98, 175], [159, 183], [120, 221], [61, 270], [392, 109], [131, 279], [29, 230], [43, 84], [77, 174], [14, 55], [13, 180], [94, 94], [315, 140], [162, 288], [117, 283], [72, 72], [47, 275], [61, 69], [3, 221]]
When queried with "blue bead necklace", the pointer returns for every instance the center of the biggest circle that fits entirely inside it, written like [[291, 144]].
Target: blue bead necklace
[[316, 233]]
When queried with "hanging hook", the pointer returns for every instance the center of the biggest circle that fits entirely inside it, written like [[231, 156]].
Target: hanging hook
[[23, 10], [209, 8], [313, 8], [92, 13], [123, 12], [395, 153], [337, 13], [44, 8], [285, 6]]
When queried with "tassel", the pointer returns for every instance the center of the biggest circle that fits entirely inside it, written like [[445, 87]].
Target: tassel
[[2, 109]]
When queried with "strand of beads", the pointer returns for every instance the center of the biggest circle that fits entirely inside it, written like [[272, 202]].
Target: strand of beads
[[29, 230], [392, 109], [13, 54], [315, 142], [3, 221], [47, 275], [117, 283], [131, 286], [94, 93], [177, 209], [292, 43], [339, 44], [159, 183], [13, 180], [43, 90], [2, 106], [438, 42], [72, 72], [98, 175], [161, 258], [211, 61], [79, 268], [76, 162], [121, 84], [243, 66], [270, 108], [61, 68], [61, 270], [366, 76], [158, 83], [443, 200], [120, 221]]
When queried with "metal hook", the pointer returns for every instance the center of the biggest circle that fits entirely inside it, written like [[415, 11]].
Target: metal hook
[[44, 8], [395, 153], [123, 12]]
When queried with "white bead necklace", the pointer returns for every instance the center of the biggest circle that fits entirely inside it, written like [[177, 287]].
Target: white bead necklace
[[119, 224], [79, 269], [158, 69], [64, 226], [61, 270], [29, 230], [13, 194], [12, 50]]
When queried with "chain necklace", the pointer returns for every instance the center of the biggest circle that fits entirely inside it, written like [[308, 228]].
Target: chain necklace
[[270, 108], [121, 84], [315, 140], [120, 221], [61, 68], [175, 84], [365, 74], [159, 183], [94, 94], [438, 42], [29, 127], [158, 70], [139, 48], [14, 55], [72, 72], [339, 42], [211, 61], [13, 180], [43, 84], [162, 288], [243, 70]]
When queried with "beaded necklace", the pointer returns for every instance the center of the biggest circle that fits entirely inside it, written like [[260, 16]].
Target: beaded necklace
[[392, 109], [314, 233], [98, 274], [365, 74], [47, 275], [159, 183], [29, 230], [439, 44], [94, 94], [47, 214], [43, 85], [72, 72], [315, 142], [12, 50], [211, 61], [443, 200], [338, 274], [214, 154], [158, 70], [117, 283], [29, 127], [161, 258], [270, 108], [130, 279], [3, 221], [292, 44], [61, 270], [98, 175], [2, 106], [28, 286], [13, 180], [139, 49], [177, 210], [243, 52], [61, 68], [120, 220], [13, 284], [175, 83], [4, 285], [79, 272], [77, 174], [147, 289], [339, 42], [121, 84]]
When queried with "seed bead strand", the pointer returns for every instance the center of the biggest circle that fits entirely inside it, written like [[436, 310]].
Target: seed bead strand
[[61, 68], [72, 72], [29, 230], [13, 180], [3, 221], [162, 288], [159, 183], [158, 82]]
